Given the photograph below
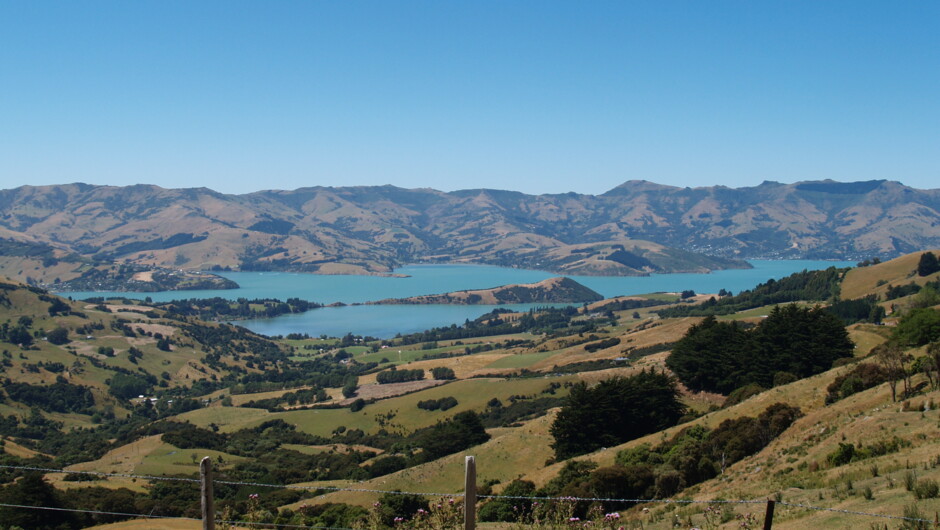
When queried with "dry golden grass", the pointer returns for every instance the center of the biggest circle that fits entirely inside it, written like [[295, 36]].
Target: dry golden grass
[[464, 366], [862, 281], [785, 465], [648, 333], [506, 455], [152, 524], [866, 337], [15, 449], [389, 390], [336, 448]]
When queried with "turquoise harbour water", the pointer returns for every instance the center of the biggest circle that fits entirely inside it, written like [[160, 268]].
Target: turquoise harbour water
[[386, 321]]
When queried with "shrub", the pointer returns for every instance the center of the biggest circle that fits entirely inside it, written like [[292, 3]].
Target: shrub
[[386, 465], [741, 394], [442, 373], [392, 505], [394, 375], [443, 403], [502, 509], [58, 336], [926, 489], [784, 378], [862, 377]]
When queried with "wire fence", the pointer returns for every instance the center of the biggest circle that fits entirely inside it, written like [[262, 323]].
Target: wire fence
[[333, 489]]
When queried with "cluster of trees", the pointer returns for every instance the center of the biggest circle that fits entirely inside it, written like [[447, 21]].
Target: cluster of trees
[[806, 285], [444, 403], [862, 377], [128, 386], [221, 308], [614, 411], [693, 455], [900, 291], [499, 415], [224, 339], [602, 344], [849, 452], [627, 304], [393, 375], [60, 396], [918, 327], [460, 432], [792, 342], [443, 373], [320, 372], [865, 309], [551, 320], [304, 396], [18, 334]]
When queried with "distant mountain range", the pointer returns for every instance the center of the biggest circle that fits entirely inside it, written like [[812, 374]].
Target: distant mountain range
[[636, 228]]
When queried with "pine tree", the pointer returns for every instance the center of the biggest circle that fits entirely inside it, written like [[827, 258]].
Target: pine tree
[[614, 411], [928, 264]]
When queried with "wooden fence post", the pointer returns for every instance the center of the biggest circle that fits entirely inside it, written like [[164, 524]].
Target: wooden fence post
[[769, 515], [470, 494], [208, 508]]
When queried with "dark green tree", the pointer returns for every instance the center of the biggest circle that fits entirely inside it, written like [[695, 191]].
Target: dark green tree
[[711, 356], [128, 386], [721, 356], [33, 490], [799, 340], [58, 336], [462, 431], [920, 326], [615, 411], [928, 264]]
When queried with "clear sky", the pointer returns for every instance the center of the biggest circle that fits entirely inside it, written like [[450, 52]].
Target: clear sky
[[535, 96]]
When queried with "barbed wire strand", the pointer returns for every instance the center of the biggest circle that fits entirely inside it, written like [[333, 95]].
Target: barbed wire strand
[[336, 489], [369, 490], [100, 473], [852, 512], [283, 525], [97, 512], [637, 501], [146, 516]]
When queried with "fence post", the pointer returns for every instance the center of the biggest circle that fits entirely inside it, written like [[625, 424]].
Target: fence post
[[208, 509], [769, 515], [470, 494]]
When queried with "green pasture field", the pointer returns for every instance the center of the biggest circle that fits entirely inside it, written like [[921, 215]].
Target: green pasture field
[[407, 355], [471, 394], [169, 460]]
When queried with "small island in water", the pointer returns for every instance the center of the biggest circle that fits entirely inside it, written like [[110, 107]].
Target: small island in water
[[553, 291]]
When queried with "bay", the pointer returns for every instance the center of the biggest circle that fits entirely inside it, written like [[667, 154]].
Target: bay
[[386, 321]]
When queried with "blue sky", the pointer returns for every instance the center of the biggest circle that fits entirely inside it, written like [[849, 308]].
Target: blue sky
[[534, 96]]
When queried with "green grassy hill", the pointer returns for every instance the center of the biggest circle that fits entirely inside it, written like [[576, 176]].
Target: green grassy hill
[[315, 413]]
